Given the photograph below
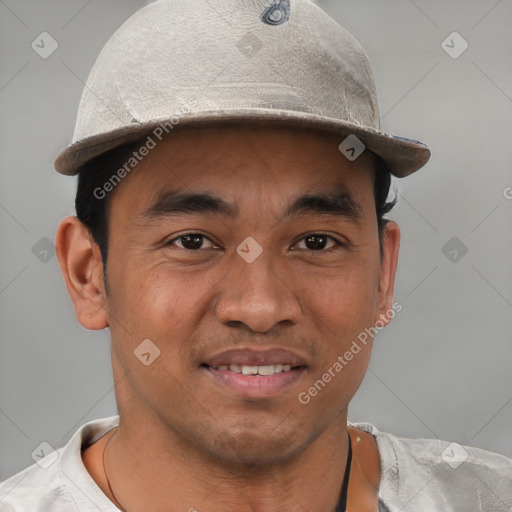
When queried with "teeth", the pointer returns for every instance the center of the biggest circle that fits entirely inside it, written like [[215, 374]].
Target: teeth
[[266, 370]]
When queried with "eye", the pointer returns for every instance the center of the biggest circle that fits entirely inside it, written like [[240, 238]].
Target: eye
[[192, 242], [318, 242]]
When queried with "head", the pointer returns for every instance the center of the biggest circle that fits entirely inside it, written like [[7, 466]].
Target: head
[[234, 245], [234, 238]]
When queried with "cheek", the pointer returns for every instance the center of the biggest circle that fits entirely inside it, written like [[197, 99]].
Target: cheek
[[345, 300], [154, 301], [164, 308], [343, 313]]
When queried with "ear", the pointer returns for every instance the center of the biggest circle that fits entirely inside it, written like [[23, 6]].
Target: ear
[[389, 262], [80, 262]]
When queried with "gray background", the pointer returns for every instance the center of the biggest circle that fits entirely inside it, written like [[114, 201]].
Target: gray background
[[441, 369]]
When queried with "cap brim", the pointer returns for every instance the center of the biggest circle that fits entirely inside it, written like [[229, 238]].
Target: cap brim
[[403, 156]]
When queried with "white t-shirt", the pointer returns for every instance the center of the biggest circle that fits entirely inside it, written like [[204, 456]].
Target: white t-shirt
[[417, 475]]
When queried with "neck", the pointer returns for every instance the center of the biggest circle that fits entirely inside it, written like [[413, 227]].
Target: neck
[[141, 464]]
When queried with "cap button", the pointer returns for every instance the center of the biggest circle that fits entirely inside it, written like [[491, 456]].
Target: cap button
[[276, 14]]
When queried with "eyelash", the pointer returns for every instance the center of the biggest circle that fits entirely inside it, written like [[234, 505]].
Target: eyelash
[[337, 243]]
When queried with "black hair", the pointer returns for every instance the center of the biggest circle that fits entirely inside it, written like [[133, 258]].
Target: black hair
[[98, 178], [97, 181], [381, 188]]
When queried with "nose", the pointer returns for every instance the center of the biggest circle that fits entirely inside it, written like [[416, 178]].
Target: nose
[[257, 295]]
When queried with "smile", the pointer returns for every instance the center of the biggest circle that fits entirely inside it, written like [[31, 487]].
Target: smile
[[266, 370], [256, 382]]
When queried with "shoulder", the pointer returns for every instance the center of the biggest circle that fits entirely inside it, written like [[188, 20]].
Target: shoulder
[[39, 486], [422, 474], [59, 481]]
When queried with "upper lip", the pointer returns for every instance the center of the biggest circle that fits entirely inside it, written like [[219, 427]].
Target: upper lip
[[255, 357]]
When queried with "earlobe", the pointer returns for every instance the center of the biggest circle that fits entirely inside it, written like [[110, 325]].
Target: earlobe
[[82, 268], [389, 262]]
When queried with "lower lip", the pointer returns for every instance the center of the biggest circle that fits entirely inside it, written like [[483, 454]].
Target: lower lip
[[256, 386]]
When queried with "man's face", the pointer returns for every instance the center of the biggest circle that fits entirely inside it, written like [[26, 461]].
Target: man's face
[[183, 273]]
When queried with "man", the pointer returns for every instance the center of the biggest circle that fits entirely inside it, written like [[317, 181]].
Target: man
[[230, 233]]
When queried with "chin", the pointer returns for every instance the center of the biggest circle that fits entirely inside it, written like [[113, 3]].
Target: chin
[[254, 447]]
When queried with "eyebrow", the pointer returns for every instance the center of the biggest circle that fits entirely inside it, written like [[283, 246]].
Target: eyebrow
[[177, 202], [339, 203]]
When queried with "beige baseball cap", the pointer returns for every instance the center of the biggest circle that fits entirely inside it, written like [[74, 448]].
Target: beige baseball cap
[[178, 63]]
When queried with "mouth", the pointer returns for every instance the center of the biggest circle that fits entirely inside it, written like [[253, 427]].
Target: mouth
[[260, 371], [256, 374]]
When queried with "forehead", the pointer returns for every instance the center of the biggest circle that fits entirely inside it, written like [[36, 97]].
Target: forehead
[[247, 162]]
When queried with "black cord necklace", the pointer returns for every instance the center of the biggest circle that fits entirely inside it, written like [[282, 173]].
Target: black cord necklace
[[342, 504]]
